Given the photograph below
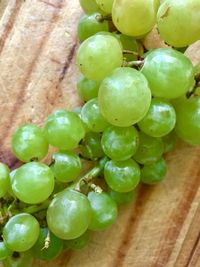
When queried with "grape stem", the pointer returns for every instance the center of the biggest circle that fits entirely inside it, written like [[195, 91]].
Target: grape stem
[[130, 52], [136, 63], [101, 18]]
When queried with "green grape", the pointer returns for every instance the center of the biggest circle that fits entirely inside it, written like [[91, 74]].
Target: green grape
[[4, 179], [188, 120], [53, 250], [170, 73], [24, 259], [169, 141], [104, 211], [124, 97], [120, 143], [134, 17], [78, 243], [178, 22], [91, 146], [150, 149], [21, 232], [122, 198], [28, 142], [87, 89], [66, 167], [90, 25], [5, 252], [89, 6], [33, 182], [105, 5], [92, 117], [130, 44], [122, 176], [69, 214], [154, 173], [160, 119], [98, 56], [64, 129]]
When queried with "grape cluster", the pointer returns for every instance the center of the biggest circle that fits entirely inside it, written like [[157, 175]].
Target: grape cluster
[[137, 103]]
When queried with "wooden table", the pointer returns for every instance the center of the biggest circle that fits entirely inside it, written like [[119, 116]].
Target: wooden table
[[37, 75]]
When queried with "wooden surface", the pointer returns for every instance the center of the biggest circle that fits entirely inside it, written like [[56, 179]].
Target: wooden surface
[[38, 75]]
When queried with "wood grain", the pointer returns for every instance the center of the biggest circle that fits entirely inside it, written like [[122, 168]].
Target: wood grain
[[38, 75]]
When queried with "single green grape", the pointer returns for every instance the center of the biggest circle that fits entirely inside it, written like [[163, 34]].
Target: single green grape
[[87, 89], [91, 147], [120, 143], [188, 120], [122, 176], [64, 129], [169, 72], [78, 243], [90, 25], [169, 141], [104, 211], [130, 44], [29, 142], [98, 56], [160, 119], [21, 232], [66, 167], [23, 259], [5, 252], [135, 17], [178, 22], [105, 5], [4, 179], [33, 182], [53, 250], [150, 149], [122, 198], [69, 214], [154, 173], [92, 117], [89, 6], [124, 97]]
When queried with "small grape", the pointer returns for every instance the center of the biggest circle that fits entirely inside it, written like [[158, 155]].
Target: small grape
[[5, 252], [89, 6], [4, 179], [23, 259], [87, 89]]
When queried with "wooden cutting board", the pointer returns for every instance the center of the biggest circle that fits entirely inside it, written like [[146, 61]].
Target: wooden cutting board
[[37, 75]]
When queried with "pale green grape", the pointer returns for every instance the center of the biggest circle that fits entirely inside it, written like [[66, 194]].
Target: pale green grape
[[160, 119], [78, 243], [64, 129], [33, 182], [5, 252], [66, 167], [104, 211], [89, 6], [123, 198], [124, 97], [87, 89], [188, 120], [69, 214], [134, 17], [92, 117], [169, 141], [105, 5], [128, 43], [98, 56], [24, 259], [178, 22], [122, 176], [29, 142], [4, 179], [170, 73], [21, 232], [120, 143]]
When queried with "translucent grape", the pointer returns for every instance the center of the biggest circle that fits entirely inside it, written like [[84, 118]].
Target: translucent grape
[[160, 119], [122, 176], [169, 141], [124, 97], [33, 182], [89, 6], [66, 167], [78, 243], [105, 5], [24, 259], [130, 44], [5, 252], [131, 18], [170, 73], [154, 173], [87, 89], [92, 117], [4, 179], [122, 198], [54, 249], [98, 56], [21, 232], [64, 129], [104, 211], [120, 143], [178, 22], [89, 25], [29, 142], [150, 149], [69, 214]]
